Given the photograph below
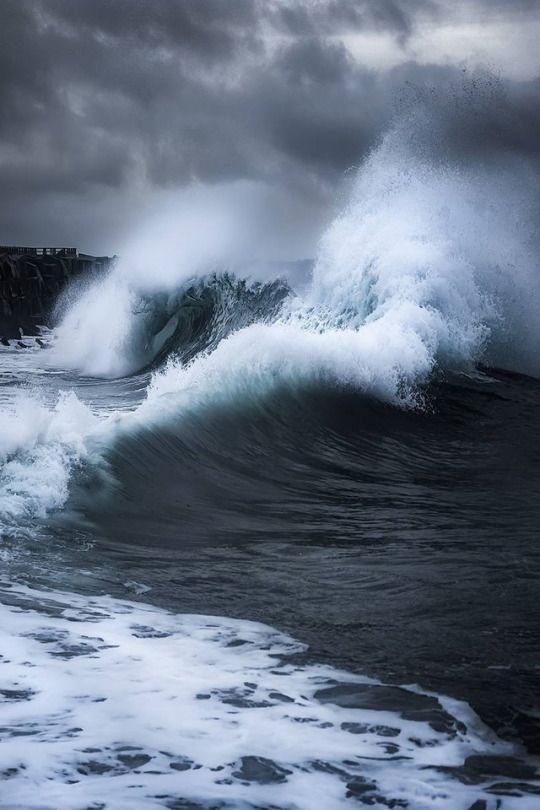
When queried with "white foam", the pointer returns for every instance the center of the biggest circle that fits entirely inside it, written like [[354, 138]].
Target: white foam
[[429, 266], [426, 240], [39, 446], [120, 705], [96, 333]]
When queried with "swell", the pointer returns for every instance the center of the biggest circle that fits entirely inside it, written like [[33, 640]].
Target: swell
[[373, 521], [314, 463]]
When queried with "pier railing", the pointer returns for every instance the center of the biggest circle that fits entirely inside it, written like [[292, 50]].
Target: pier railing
[[17, 250]]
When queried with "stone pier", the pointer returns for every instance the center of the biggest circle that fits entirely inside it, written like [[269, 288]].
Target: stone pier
[[31, 280]]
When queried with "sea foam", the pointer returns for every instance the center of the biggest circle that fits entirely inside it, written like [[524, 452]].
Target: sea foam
[[115, 704]]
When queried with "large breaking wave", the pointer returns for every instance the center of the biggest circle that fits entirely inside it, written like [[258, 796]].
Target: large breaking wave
[[430, 268], [432, 264]]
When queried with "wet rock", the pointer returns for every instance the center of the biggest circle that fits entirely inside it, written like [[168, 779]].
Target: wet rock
[[409, 705], [94, 767], [515, 789], [511, 767], [280, 697], [143, 631], [135, 760], [21, 730], [242, 699], [480, 767], [365, 728], [365, 792], [261, 770], [16, 694], [181, 764], [328, 767], [359, 787]]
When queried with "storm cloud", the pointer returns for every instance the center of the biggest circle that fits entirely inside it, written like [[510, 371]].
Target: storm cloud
[[106, 103]]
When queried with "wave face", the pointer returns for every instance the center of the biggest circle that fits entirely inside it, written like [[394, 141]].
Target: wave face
[[431, 268]]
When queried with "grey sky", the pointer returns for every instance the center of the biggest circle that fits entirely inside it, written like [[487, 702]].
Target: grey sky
[[109, 106]]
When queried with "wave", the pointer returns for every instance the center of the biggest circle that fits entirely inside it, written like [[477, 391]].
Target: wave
[[432, 264], [431, 268], [87, 724]]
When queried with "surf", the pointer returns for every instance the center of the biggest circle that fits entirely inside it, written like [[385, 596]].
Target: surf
[[89, 726], [428, 270]]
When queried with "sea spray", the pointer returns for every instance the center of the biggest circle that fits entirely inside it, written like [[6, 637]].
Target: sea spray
[[433, 254]]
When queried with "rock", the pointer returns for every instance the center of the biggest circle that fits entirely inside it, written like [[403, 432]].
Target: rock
[[261, 770], [410, 705]]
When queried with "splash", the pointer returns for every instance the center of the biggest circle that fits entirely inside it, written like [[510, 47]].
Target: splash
[[113, 327], [430, 268], [431, 265]]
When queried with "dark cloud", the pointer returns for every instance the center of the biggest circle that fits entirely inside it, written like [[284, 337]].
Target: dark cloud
[[327, 17], [100, 97]]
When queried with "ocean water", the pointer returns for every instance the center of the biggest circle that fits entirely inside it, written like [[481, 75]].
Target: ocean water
[[270, 536]]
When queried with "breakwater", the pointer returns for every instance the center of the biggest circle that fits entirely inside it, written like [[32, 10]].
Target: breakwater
[[32, 278]]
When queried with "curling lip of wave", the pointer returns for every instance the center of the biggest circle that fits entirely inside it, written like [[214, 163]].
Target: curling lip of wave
[[129, 330]]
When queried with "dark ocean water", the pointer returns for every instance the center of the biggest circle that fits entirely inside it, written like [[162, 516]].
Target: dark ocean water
[[402, 545], [399, 545]]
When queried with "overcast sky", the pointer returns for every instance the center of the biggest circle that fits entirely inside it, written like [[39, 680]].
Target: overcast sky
[[110, 107]]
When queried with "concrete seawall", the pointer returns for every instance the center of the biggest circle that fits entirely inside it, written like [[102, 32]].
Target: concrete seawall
[[31, 279]]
